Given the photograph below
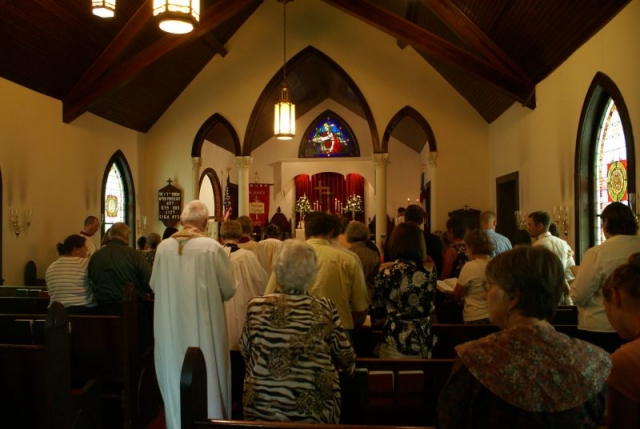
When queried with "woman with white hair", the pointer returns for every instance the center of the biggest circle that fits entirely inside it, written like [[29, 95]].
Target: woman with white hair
[[293, 345]]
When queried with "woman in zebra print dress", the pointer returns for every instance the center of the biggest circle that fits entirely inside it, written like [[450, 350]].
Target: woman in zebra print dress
[[293, 346]]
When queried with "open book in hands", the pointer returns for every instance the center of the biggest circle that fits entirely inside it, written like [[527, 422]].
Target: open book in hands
[[447, 285]]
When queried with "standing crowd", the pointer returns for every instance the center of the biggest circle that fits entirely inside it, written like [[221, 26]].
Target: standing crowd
[[293, 307]]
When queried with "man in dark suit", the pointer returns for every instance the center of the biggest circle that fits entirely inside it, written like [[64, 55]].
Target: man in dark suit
[[414, 213]]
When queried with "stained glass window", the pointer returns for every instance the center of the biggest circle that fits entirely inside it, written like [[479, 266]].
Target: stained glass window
[[611, 159], [330, 138], [115, 198]]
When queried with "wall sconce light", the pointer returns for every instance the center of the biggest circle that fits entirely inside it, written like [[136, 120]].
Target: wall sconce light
[[142, 226], [433, 159], [15, 221], [103, 8], [561, 218]]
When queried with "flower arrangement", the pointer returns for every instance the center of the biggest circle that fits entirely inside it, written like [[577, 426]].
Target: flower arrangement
[[303, 206], [354, 205]]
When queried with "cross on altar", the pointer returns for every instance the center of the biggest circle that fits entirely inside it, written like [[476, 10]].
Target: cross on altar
[[169, 181], [323, 191]]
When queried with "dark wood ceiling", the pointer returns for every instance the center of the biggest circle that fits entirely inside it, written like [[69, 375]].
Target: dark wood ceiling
[[124, 69]]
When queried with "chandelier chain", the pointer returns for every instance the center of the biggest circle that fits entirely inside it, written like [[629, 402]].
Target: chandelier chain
[[284, 68]]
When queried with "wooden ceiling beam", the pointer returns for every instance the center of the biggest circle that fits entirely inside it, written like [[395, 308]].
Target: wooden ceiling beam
[[113, 51], [214, 16], [430, 44], [215, 44], [469, 33]]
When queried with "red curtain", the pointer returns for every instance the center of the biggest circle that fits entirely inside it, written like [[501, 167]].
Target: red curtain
[[329, 191]]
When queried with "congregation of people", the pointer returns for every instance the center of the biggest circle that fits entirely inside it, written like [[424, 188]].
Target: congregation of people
[[294, 309]]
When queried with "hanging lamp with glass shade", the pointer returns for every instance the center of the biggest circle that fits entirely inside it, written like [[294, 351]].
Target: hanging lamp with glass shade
[[177, 16], [103, 8], [284, 125]]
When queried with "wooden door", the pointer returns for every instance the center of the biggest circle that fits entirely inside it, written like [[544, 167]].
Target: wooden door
[[507, 202]]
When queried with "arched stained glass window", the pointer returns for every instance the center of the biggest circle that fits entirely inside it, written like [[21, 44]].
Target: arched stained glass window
[[328, 136], [118, 195], [611, 165], [115, 198], [605, 160]]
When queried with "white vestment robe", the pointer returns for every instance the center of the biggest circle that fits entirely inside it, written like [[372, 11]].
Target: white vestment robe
[[252, 280], [190, 290], [270, 247]]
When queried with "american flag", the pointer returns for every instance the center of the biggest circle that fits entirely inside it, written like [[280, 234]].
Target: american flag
[[226, 206]]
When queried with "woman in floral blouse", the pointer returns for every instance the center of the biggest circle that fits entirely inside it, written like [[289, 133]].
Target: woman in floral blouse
[[403, 292], [527, 375], [293, 346]]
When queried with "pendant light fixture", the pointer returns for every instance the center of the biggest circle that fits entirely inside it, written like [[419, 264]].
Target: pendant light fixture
[[284, 126], [177, 16], [103, 8]]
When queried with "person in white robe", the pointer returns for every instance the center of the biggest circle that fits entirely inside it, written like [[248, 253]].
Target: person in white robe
[[271, 244], [250, 276], [247, 243], [192, 278]]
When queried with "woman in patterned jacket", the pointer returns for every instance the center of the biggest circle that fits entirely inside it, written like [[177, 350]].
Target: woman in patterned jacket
[[527, 375], [402, 295], [293, 346]]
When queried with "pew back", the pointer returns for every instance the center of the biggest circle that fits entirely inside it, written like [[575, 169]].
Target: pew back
[[410, 401], [102, 347], [36, 378]]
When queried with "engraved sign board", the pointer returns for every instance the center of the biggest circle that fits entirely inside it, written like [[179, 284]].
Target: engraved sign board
[[169, 204]]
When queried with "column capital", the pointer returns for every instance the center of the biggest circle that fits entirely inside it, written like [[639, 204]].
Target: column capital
[[380, 159], [244, 162]]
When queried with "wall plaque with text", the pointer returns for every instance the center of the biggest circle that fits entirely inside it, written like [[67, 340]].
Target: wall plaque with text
[[169, 204]]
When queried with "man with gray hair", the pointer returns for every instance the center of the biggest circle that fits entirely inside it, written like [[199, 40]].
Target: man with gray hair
[[115, 264], [488, 225], [191, 279]]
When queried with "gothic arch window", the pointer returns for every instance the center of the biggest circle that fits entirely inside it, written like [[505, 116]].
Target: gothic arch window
[[328, 136], [605, 159], [118, 199]]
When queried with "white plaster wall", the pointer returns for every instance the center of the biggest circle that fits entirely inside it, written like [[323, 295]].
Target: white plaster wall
[[541, 144], [389, 78], [55, 170]]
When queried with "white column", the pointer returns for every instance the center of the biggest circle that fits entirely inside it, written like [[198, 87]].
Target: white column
[[196, 163], [380, 161], [243, 163]]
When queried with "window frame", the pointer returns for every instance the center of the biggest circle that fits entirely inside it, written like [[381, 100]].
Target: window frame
[[594, 109], [121, 163]]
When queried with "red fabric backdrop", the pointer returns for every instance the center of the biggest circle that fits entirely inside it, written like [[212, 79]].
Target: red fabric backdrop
[[329, 192]]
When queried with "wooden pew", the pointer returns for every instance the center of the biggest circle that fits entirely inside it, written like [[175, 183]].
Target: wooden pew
[[107, 348], [193, 403], [23, 291], [565, 315], [395, 392], [36, 381], [451, 335]]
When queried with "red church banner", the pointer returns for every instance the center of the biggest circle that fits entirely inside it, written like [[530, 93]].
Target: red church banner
[[259, 203]]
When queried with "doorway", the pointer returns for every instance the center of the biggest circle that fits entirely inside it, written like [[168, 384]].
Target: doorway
[[507, 202]]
